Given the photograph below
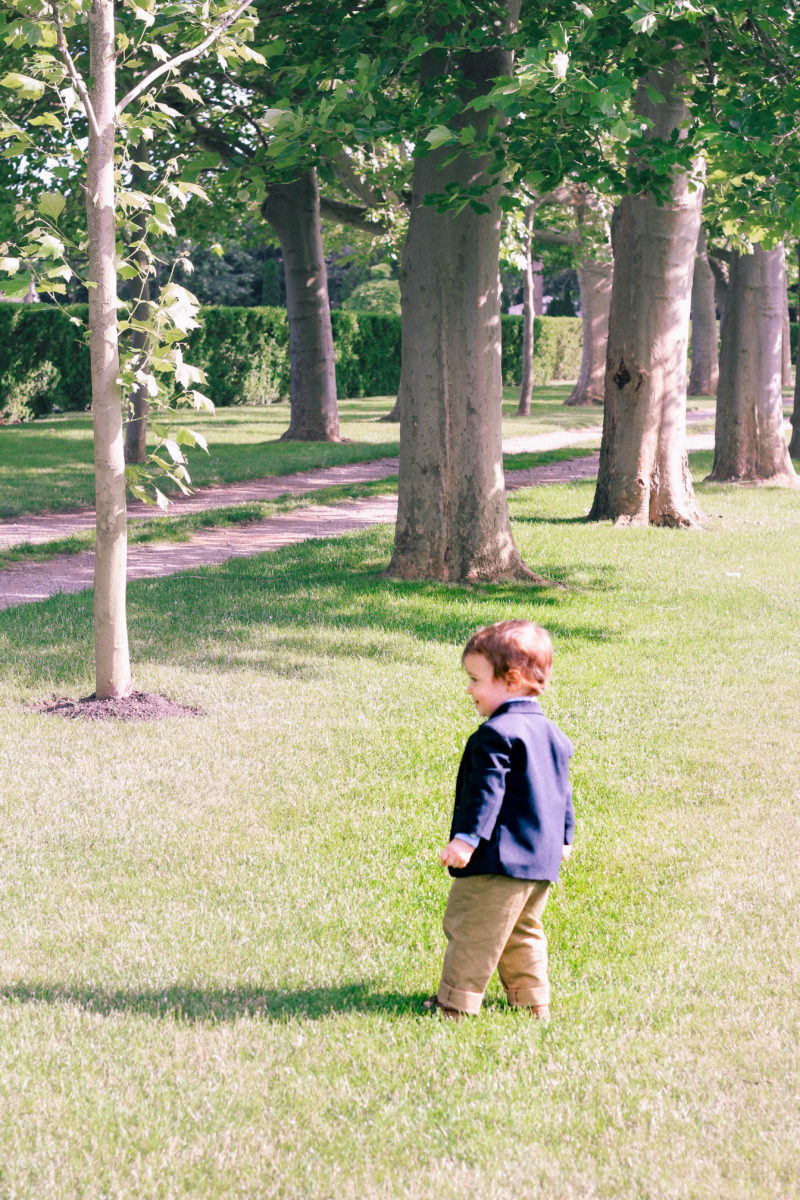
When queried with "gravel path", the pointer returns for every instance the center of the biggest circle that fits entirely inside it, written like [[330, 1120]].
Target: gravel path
[[24, 583]]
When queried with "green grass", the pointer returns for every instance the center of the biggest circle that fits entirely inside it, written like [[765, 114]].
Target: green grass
[[216, 933], [48, 465], [182, 528]]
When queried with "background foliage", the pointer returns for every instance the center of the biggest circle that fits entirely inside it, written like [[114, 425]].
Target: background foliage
[[44, 361]]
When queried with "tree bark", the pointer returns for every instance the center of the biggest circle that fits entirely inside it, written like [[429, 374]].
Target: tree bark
[[786, 335], [112, 661], [644, 470], [453, 521], [595, 282], [794, 444], [705, 354], [138, 403], [528, 327], [719, 270], [749, 441], [293, 211]]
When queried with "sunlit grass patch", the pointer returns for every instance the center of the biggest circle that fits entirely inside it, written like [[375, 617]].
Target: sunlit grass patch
[[217, 933]]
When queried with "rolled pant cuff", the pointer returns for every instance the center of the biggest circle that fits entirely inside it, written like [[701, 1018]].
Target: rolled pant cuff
[[529, 997], [466, 1002]]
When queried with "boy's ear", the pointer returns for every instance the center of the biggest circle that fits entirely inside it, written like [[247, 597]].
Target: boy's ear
[[513, 677]]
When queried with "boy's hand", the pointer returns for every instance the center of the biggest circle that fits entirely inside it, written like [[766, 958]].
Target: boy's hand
[[456, 853], [565, 853]]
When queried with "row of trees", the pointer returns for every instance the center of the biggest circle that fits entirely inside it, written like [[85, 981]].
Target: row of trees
[[423, 125]]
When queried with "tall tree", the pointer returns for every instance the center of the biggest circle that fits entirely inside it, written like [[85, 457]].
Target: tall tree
[[750, 445], [96, 95], [705, 352], [293, 211], [644, 472], [453, 521]]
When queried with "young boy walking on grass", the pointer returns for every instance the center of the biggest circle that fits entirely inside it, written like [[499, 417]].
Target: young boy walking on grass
[[512, 826]]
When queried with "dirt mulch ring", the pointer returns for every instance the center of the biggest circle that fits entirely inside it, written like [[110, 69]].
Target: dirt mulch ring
[[139, 706]]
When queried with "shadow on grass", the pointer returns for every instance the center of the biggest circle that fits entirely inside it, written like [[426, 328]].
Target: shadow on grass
[[321, 599], [182, 1002]]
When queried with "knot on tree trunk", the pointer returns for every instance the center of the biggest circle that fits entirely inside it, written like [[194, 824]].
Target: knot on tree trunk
[[622, 376]]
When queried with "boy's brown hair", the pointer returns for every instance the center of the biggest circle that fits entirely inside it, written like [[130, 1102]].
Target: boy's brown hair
[[518, 644]]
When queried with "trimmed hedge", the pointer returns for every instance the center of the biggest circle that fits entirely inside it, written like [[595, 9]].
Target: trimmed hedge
[[557, 343], [44, 359]]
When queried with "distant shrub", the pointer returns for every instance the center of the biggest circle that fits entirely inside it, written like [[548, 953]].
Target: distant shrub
[[375, 295], [557, 343], [44, 358]]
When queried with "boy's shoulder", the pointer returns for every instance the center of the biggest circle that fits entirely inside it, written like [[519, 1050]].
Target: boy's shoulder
[[525, 719]]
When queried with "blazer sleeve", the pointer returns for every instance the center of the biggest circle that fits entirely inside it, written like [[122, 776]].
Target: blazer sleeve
[[483, 787], [569, 819]]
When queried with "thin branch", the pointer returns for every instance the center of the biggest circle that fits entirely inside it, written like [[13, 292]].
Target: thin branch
[[351, 214], [553, 237], [186, 56], [80, 86]]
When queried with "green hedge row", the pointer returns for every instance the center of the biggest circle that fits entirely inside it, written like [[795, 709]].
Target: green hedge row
[[557, 345], [44, 360]]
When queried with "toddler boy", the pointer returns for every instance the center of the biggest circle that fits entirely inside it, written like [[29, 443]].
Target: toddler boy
[[512, 826]]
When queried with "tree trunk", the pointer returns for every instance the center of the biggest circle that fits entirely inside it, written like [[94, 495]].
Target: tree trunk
[[705, 355], [749, 441], [595, 281], [138, 404], [453, 521], [644, 470], [786, 335], [292, 210], [794, 444], [113, 673], [719, 270], [528, 327]]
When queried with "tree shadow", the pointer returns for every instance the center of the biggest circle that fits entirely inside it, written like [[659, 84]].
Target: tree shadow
[[214, 1006], [323, 598]]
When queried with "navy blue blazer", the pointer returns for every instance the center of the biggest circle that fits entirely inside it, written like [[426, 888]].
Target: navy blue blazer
[[513, 792]]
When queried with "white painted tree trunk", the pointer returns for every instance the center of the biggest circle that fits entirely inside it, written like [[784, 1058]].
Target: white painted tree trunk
[[704, 374], [595, 282], [644, 471], [453, 521], [113, 672], [750, 445], [293, 211]]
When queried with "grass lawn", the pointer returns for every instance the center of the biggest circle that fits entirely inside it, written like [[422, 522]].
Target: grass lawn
[[217, 933], [47, 465]]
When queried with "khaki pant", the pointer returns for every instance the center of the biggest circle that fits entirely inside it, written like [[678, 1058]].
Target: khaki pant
[[492, 921]]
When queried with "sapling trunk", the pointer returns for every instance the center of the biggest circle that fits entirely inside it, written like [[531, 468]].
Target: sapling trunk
[[113, 673]]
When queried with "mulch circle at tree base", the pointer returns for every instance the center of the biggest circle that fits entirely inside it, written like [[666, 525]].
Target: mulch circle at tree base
[[139, 706]]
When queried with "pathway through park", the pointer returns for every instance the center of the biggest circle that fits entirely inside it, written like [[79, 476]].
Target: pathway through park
[[24, 583]]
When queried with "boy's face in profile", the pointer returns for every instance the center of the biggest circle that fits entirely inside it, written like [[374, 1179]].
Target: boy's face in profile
[[487, 691]]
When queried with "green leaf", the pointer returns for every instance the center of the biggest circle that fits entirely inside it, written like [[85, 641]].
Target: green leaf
[[15, 287], [440, 135], [28, 88], [51, 204], [48, 119]]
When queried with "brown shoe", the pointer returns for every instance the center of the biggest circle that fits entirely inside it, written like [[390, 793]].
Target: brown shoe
[[433, 1004], [540, 1011]]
